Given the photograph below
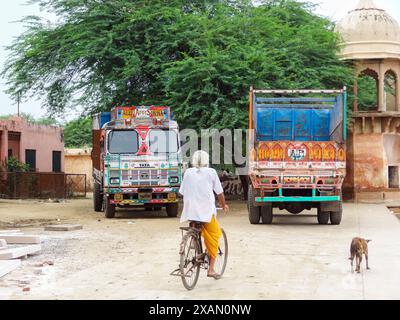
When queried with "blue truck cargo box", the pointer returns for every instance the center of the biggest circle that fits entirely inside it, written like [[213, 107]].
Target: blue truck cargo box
[[298, 119], [294, 125]]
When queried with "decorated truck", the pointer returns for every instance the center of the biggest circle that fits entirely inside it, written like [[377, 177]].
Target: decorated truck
[[136, 159], [298, 153]]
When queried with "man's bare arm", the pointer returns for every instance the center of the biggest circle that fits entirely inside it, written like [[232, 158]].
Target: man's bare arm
[[221, 200]]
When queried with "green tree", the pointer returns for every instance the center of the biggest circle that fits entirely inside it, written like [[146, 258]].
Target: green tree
[[200, 57], [78, 133]]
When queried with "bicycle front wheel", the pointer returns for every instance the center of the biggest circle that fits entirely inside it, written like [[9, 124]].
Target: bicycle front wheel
[[222, 257], [189, 266]]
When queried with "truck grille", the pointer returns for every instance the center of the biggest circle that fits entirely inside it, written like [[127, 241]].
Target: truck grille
[[148, 176]]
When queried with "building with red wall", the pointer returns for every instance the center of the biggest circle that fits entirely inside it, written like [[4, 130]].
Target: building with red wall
[[40, 146]]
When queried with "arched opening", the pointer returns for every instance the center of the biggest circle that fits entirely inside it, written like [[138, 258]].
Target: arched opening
[[390, 90], [367, 96]]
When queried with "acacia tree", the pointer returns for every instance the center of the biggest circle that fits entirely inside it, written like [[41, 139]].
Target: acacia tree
[[201, 56]]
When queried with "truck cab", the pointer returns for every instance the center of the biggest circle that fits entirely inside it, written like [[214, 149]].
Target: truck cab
[[298, 153], [137, 159]]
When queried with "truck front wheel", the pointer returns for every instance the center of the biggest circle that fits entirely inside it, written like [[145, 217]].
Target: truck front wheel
[[254, 212], [109, 209], [172, 209], [97, 198], [336, 216], [266, 214]]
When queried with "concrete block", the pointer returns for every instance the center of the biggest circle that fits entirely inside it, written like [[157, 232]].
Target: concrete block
[[64, 227], [18, 252], [8, 266], [20, 239]]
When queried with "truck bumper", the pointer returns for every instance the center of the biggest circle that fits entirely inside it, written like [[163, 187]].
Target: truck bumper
[[298, 199], [136, 202], [139, 196]]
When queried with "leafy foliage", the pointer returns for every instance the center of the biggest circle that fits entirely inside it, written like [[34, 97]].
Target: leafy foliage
[[367, 93], [78, 133], [14, 165], [200, 57]]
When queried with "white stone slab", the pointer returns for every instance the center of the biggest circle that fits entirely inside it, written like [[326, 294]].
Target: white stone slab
[[17, 252], [20, 239], [10, 231], [3, 244], [8, 266]]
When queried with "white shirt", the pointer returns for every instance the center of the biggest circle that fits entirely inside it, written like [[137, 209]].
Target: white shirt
[[198, 187]]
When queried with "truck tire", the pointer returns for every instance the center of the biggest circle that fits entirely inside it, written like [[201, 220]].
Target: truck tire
[[97, 198], [254, 212], [267, 214], [323, 217], [172, 209], [109, 209], [336, 216]]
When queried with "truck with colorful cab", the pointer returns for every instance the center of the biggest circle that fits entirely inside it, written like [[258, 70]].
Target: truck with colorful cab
[[137, 159], [297, 154]]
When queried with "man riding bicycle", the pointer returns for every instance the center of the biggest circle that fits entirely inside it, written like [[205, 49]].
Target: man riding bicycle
[[197, 188]]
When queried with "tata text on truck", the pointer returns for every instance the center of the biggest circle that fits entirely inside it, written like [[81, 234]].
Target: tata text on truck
[[298, 160], [136, 159]]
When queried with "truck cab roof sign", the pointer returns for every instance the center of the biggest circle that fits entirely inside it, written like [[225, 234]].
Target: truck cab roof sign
[[142, 112]]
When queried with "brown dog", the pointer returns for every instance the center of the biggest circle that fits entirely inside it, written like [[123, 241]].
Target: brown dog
[[358, 247]]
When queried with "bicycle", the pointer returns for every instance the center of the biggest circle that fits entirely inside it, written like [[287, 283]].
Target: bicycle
[[192, 256]]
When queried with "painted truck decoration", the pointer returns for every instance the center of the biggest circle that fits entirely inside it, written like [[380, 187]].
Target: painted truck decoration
[[136, 159], [298, 156]]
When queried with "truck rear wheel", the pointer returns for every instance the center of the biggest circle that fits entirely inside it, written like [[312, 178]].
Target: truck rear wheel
[[267, 214], [323, 217], [97, 198], [254, 212], [336, 216], [109, 209], [172, 209]]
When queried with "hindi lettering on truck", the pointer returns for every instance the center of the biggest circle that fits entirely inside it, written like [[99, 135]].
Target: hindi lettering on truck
[[137, 159], [298, 153]]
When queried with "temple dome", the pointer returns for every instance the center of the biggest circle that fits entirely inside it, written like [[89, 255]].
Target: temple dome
[[369, 32]]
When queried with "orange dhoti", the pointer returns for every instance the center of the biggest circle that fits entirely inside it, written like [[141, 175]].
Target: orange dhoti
[[211, 233]]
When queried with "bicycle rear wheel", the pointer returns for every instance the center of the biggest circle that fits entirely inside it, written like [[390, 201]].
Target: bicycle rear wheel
[[189, 266], [222, 257]]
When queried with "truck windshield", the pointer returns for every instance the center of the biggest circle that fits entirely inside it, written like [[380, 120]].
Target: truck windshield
[[163, 141], [123, 141]]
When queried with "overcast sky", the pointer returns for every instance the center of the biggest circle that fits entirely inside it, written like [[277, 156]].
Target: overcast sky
[[14, 10]]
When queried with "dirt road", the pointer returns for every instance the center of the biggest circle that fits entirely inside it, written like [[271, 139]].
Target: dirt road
[[131, 256]]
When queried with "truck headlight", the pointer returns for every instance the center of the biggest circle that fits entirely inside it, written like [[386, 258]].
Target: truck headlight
[[173, 179], [114, 180]]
